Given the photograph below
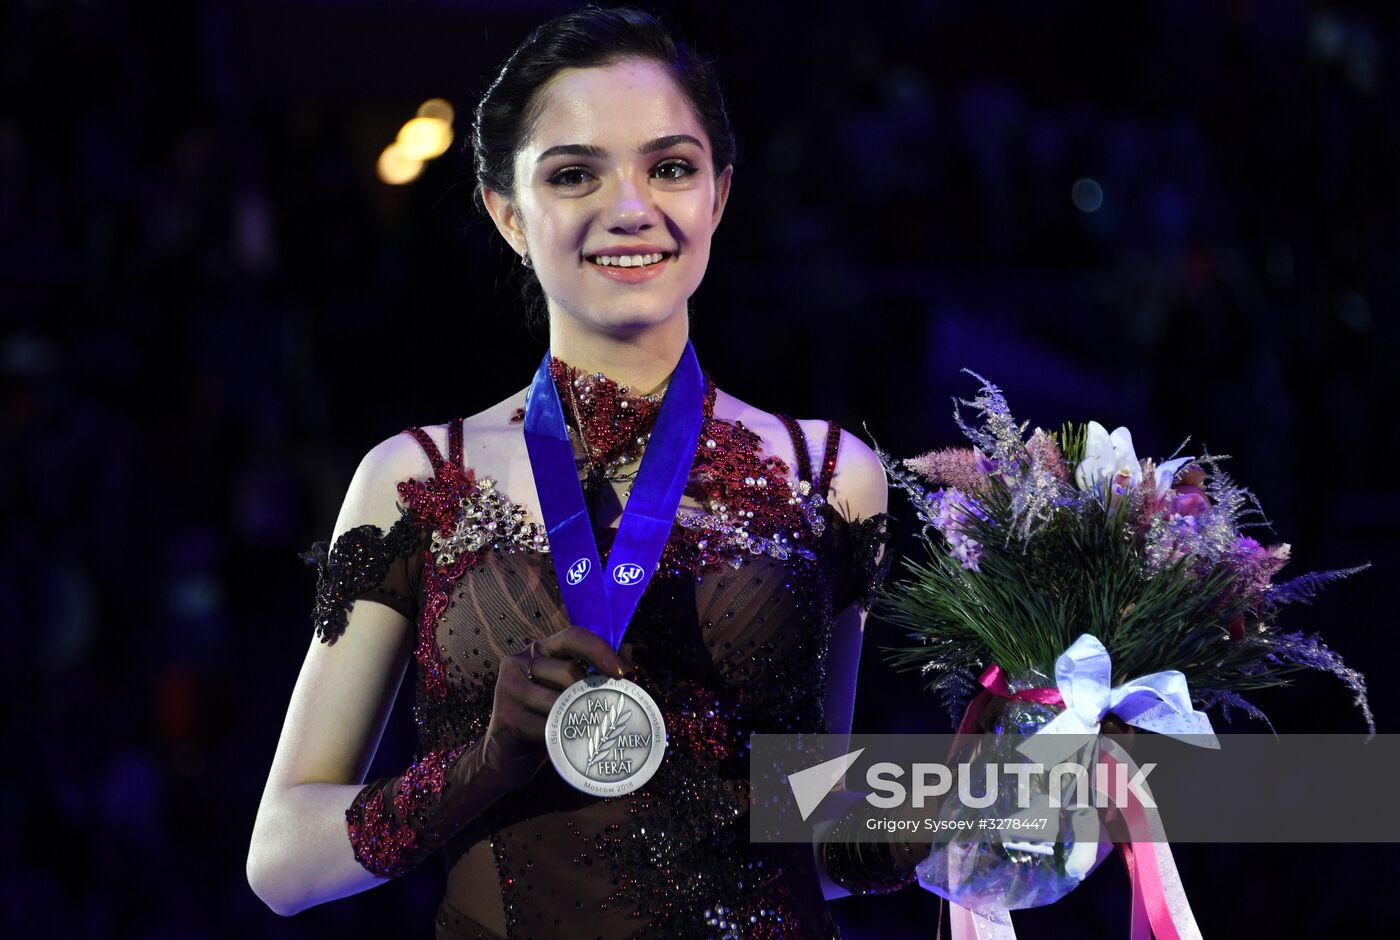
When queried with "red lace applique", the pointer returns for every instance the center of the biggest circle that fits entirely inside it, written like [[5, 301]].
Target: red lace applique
[[384, 841], [615, 424], [436, 502], [380, 841], [437, 594], [425, 777], [753, 508]]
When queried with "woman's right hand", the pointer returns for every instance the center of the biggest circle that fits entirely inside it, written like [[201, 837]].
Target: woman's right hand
[[527, 685]]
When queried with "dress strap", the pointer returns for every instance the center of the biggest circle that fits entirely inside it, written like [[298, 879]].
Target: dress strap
[[429, 448], [454, 442], [833, 444], [799, 444]]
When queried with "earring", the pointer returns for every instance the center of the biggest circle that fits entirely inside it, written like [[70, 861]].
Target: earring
[[525, 259]]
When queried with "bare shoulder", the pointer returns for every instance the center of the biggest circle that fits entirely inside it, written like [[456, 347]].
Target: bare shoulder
[[500, 418], [373, 493], [372, 497], [859, 488]]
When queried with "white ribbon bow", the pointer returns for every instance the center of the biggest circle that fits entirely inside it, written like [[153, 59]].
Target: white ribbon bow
[[1157, 702]]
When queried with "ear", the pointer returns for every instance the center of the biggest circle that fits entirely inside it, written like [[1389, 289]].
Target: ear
[[502, 212], [721, 195]]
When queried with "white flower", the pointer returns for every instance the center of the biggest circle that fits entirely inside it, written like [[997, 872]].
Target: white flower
[[1110, 466]]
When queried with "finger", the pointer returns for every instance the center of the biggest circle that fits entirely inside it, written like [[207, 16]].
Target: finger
[[531, 726], [586, 645], [534, 697], [552, 672]]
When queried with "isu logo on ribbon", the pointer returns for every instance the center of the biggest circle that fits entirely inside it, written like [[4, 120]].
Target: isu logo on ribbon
[[628, 574], [578, 570]]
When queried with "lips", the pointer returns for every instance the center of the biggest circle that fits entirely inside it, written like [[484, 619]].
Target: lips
[[628, 259], [630, 265]]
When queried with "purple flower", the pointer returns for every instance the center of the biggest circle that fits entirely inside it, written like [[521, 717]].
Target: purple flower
[[953, 514], [1257, 565]]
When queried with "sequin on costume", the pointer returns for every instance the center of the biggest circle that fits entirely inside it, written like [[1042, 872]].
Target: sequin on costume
[[730, 638]]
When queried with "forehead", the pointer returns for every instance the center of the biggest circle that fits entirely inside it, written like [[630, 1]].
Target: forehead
[[618, 105]]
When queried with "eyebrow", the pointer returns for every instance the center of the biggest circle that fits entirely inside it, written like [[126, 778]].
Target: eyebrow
[[597, 153]]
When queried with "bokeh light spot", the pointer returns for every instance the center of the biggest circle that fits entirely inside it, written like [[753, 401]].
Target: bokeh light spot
[[439, 109], [424, 138], [396, 167], [1087, 195]]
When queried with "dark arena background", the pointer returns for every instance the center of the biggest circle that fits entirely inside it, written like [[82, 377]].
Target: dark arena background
[[1175, 216]]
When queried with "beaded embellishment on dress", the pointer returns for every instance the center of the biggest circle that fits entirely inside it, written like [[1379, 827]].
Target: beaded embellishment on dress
[[732, 532], [613, 425], [488, 520]]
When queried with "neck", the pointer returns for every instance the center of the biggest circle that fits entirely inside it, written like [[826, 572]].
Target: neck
[[641, 359]]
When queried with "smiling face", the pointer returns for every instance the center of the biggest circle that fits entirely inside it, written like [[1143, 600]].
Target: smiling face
[[615, 197]]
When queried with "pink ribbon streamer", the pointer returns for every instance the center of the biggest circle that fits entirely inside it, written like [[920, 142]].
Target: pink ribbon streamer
[[1159, 905], [993, 679]]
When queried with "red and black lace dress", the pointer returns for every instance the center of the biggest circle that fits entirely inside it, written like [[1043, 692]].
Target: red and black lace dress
[[731, 638]]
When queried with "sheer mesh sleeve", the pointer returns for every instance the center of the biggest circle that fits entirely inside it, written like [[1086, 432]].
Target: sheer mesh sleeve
[[861, 861], [866, 862], [396, 823], [866, 561], [366, 563]]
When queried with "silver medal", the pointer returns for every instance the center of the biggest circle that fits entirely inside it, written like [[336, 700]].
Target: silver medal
[[605, 736]]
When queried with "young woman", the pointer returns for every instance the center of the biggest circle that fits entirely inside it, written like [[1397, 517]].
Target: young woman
[[604, 158]]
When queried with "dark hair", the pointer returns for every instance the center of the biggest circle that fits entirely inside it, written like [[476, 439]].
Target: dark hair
[[586, 38]]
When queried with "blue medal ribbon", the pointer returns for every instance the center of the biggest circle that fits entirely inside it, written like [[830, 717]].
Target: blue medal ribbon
[[603, 599]]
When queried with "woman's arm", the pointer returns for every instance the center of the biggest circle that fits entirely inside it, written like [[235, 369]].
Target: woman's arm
[[320, 832], [856, 861], [859, 491], [847, 632], [300, 855]]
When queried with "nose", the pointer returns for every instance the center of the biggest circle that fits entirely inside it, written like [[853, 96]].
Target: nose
[[632, 208]]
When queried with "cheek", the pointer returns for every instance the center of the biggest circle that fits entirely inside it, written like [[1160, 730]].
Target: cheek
[[694, 220], [563, 231]]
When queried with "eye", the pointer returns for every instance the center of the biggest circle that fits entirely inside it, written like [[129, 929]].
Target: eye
[[675, 170], [570, 176]]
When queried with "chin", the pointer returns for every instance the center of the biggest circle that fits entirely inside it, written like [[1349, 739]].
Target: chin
[[631, 321], [631, 315]]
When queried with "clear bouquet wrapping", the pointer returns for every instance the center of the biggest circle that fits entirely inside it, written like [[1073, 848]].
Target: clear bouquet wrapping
[[1008, 869]]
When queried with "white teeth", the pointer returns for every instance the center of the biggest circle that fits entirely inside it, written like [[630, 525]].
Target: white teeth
[[628, 261]]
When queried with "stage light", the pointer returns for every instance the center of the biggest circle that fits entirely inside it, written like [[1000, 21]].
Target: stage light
[[1087, 195], [424, 138], [396, 167], [438, 108]]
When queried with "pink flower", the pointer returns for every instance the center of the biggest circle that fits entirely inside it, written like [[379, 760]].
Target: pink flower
[[1185, 498], [1189, 501], [952, 466], [1044, 451]]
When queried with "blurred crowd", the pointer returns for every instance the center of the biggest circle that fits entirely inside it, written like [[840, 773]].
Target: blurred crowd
[[1179, 217]]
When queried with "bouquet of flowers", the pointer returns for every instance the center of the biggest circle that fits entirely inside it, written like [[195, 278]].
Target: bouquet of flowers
[[1065, 544]]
